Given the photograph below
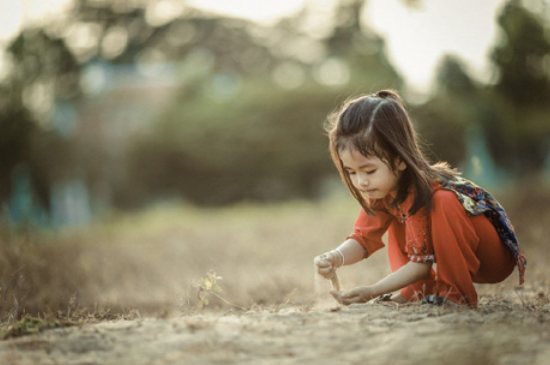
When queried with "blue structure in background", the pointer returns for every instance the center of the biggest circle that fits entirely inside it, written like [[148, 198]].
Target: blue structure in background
[[479, 165], [22, 207], [70, 204], [65, 118]]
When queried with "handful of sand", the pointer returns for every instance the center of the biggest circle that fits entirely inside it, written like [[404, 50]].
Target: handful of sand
[[335, 282], [322, 290]]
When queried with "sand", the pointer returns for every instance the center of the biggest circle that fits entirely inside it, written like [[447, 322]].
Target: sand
[[372, 333]]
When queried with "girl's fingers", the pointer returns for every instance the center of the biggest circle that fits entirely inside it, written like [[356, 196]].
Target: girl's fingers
[[324, 264], [339, 299], [321, 261], [350, 298], [325, 269], [347, 298], [350, 294], [326, 274], [348, 301], [358, 295]]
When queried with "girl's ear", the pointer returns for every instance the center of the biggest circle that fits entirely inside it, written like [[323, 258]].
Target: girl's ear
[[400, 165]]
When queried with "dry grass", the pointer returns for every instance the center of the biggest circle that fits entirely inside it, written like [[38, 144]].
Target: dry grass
[[147, 262]]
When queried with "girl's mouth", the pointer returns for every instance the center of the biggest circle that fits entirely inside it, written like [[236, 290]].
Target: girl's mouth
[[369, 192]]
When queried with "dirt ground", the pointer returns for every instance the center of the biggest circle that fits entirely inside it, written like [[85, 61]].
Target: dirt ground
[[373, 333], [150, 263]]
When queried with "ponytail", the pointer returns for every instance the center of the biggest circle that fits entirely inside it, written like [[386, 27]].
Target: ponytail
[[389, 94]]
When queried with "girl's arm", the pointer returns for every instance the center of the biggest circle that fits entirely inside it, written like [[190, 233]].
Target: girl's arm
[[404, 276], [348, 253], [352, 252]]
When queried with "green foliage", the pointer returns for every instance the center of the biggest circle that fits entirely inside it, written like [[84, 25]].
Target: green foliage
[[441, 132], [453, 79], [43, 70], [43, 60], [443, 120], [263, 142], [523, 79], [513, 113], [259, 140], [521, 109], [15, 140], [265, 146], [28, 325]]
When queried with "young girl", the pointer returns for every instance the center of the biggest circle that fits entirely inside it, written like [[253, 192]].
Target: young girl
[[432, 215]]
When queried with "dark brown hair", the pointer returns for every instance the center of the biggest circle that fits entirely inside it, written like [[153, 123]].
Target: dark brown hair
[[378, 125]]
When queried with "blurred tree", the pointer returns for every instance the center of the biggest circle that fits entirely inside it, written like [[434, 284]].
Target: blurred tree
[[43, 65], [42, 70], [229, 137], [443, 120], [452, 79], [347, 26], [523, 87], [17, 127], [520, 57], [264, 145], [46, 65], [125, 32], [513, 112], [352, 40], [256, 96]]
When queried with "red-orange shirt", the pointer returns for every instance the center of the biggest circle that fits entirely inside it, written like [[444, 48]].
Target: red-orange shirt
[[370, 229]]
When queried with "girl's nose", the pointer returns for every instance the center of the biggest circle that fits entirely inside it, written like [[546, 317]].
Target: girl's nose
[[362, 181]]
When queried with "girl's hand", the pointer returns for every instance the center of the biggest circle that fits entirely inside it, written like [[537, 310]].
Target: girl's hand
[[327, 264], [361, 294]]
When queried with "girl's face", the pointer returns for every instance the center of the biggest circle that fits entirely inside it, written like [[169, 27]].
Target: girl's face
[[370, 175]]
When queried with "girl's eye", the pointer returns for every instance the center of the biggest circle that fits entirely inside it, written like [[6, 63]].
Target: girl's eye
[[351, 172], [371, 172]]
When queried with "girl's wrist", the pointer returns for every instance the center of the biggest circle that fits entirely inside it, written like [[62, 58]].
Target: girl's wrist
[[377, 290], [340, 258]]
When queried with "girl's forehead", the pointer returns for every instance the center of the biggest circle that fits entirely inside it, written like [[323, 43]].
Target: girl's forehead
[[353, 156]]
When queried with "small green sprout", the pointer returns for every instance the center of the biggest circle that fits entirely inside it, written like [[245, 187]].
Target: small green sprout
[[208, 286]]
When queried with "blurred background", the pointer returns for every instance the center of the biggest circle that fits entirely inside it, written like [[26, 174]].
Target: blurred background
[[148, 141]]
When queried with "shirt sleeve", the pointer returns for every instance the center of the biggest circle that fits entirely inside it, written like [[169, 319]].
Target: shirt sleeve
[[418, 245], [370, 229]]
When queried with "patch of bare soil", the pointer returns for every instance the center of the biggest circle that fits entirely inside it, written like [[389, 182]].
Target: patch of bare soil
[[381, 333]]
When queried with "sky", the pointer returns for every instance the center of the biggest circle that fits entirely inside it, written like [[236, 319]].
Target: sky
[[416, 38]]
